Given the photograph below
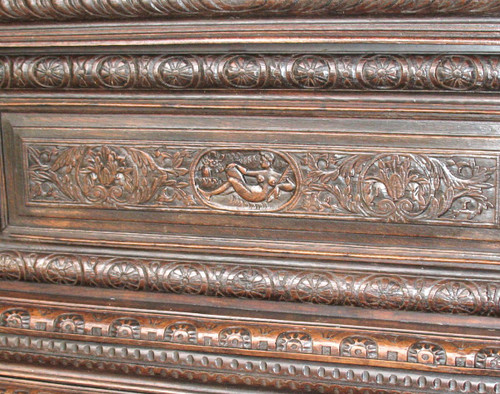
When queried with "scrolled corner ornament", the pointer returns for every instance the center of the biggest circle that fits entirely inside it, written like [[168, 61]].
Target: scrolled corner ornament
[[245, 180]]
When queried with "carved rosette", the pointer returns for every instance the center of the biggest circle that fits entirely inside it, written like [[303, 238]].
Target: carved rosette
[[70, 323], [316, 288], [50, 72], [454, 297], [360, 347], [243, 71], [426, 353], [387, 72], [488, 358], [294, 342], [15, 318], [249, 283], [382, 72], [312, 72], [185, 278], [456, 72], [125, 328], [11, 266], [125, 275], [177, 72], [181, 333], [115, 72], [61, 269], [235, 337]]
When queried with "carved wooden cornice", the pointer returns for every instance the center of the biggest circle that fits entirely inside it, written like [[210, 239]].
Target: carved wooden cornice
[[243, 71], [366, 288], [32, 10]]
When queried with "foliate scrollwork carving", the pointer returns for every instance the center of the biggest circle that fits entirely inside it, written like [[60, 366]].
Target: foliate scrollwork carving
[[10, 10], [108, 175], [377, 186], [397, 187], [461, 72]]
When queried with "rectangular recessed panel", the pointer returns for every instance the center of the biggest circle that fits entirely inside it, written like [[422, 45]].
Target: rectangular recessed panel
[[155, 174]]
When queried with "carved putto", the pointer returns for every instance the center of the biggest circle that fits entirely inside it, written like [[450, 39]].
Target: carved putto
[[242, 180]]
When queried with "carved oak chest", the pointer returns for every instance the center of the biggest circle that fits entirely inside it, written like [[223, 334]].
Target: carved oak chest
[[249, 196]]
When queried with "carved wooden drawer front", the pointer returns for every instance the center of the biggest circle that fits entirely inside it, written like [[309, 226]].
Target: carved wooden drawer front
[[158, 174]]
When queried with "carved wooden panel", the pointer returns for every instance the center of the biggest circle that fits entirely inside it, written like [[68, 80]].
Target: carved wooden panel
[[377, 72], [97, 9], [324, 182]]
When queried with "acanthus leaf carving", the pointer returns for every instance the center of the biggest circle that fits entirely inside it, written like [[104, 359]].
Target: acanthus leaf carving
[[377, 186]]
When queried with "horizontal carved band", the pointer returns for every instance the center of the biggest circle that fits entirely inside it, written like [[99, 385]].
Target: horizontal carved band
[[11, 10], [336, 184], [254, 337], [280, 374], [245, 71], [322, 286]]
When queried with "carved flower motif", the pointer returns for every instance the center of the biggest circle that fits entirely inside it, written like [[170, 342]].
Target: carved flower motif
[[383, 292], [382, 72], [235, 337], [242, 71], [15, 318], [456, 72], [311, 72], [10, 267], [249, 283], [107, 168], [114, 72], [295, 342], [125, 275], [315, 288], [49, 72], [488, 358], [358, 347], [180, 333], [398, 186], [454, 297], [426, 353], [70, 324], [176, 72], [185, 278], [125, 328], [63, 269]]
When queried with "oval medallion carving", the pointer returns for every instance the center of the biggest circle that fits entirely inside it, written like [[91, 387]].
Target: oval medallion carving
[[245, 180]]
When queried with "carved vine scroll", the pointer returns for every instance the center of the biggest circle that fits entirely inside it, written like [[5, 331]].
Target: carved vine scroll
[[376, 186]]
